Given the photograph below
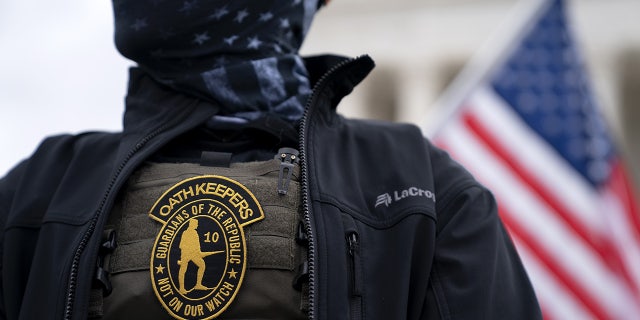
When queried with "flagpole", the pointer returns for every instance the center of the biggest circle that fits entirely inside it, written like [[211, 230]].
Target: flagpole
[[482, 63]]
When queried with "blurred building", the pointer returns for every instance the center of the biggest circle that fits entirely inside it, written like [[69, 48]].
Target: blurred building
[[420, 46]]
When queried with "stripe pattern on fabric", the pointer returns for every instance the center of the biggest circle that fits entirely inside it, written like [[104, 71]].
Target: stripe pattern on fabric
[[532, 133]]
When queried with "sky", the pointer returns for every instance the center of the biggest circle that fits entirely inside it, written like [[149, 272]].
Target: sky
[[59, 72]]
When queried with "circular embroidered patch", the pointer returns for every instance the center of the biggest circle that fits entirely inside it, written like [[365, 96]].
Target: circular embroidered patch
[[199, 256]]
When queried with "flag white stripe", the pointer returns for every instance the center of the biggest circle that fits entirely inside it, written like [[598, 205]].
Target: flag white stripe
[[571, 235], [557, 302], [567, 251], [621, 231], [533, 154], [536, 156]]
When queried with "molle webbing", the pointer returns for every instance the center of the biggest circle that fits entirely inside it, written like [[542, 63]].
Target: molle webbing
[[272, 252], [275, 234]]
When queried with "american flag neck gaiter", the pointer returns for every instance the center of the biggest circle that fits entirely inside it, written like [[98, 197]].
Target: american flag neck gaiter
[[241, 55]]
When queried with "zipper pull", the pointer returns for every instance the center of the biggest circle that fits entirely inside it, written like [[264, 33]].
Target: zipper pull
[[354, 253], [352, 239], [288, 157], [301, 235]]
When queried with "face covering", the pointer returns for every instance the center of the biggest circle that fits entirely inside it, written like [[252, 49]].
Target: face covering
[[241, 55]]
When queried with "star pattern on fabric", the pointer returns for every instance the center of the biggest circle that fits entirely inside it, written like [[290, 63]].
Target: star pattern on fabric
[[254, 43], [547, 85], [204, 39], [219, 13], [139, 24], [266, 16], [201, 38], [230, 40], [232, 274], [160, 269], [241, 15], [284, 23], [188, 6]]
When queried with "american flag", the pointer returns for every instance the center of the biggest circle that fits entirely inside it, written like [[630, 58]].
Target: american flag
[[529, 128]]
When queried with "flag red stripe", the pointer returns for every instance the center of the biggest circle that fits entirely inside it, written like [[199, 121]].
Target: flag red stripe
[[619, 185], [600, 224], [622, 187], [563, 277], [602, 246]]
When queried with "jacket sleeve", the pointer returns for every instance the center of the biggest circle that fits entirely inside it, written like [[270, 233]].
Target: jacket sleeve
[[476, 273], [7, 191]]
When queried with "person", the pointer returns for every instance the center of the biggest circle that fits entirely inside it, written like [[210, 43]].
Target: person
[[226, 127], [190, 251]]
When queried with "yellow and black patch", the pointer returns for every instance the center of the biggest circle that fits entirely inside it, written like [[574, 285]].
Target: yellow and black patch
[[199, 256]]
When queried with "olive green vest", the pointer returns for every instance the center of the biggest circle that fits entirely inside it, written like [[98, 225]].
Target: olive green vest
[[272, 254]]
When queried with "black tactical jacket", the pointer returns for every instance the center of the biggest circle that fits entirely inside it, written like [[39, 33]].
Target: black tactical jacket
[[396, 229]]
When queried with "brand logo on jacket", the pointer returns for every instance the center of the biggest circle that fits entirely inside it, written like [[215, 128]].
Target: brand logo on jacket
[[387, 199], [198, 260]]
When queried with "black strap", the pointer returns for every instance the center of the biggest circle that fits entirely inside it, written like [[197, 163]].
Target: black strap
[[215, 159], [102, 285]]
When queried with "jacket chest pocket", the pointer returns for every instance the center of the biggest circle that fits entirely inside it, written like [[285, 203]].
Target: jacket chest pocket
[[354, 263], [387, 266]]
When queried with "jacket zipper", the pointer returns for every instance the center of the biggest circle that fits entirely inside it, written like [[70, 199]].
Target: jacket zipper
[[71, 288], [73, 276], [354, 263], [353, 242], [304, 178]]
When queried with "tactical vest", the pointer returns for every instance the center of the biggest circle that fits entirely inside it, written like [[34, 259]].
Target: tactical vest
[[221, 275]]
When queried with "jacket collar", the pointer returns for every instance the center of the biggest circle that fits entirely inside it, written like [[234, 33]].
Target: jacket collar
[[150, 104], [337, 74], [338, 78]]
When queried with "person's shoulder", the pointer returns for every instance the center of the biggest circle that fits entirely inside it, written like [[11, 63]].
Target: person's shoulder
[[383, 126], [73, 143], [53, 157], [448, 170], [453, 182], [58, 151]]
